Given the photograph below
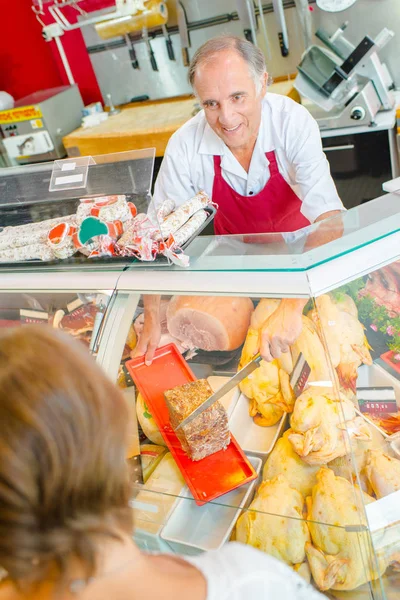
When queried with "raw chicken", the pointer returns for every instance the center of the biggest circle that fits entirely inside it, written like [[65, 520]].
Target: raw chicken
[[282, 536], [318, 422], [340, 553], [383, 473], [338, 324], [268, 386], [284, 460], [351, 466], [209, 322]]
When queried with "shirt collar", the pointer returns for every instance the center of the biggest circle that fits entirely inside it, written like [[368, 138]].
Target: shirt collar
[[211, 143]]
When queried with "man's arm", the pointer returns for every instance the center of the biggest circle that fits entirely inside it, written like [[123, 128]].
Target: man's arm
[[174, 178], [151, 334], [310, 168], [330, 230], [282, 328]]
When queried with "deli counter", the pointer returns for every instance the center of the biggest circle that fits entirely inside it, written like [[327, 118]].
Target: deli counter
[[324, 495]]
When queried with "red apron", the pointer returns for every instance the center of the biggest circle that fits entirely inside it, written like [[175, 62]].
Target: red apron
[[276, 209]]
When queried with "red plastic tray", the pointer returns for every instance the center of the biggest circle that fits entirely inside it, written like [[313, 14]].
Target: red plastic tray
[[212, 476], [387, 357]]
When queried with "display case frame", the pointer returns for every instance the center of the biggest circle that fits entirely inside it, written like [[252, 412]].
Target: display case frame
[[359, 243]]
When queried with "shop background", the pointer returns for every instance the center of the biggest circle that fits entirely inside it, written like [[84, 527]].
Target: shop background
[[28, 63]]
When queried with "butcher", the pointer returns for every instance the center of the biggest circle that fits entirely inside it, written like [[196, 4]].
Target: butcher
[[258, 155]]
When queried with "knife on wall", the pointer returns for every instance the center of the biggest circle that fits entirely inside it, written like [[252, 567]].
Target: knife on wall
[[282, 29], [247, 16], [183, 32], [298, 380]]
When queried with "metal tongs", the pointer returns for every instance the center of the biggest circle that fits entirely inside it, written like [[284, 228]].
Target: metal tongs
[[298, 380]]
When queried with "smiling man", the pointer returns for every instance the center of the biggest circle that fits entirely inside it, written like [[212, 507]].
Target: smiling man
[[257, 154], [259, 157]]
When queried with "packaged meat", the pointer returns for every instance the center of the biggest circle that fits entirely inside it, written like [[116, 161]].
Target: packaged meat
[[60, 240], [30, 252], [113, 208], [31, 228], [30, 234], [165, 209], [175, 220], [210, 322], [190, 227], [208, 432], [77, 320]]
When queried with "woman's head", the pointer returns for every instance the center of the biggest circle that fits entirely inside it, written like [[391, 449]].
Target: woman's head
[[63, 475]]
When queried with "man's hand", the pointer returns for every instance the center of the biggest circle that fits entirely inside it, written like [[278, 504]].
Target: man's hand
[[281, 329], [151, 333], [328, 231]]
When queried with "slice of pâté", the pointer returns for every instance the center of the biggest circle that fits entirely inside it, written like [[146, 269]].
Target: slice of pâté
[[209, 431]]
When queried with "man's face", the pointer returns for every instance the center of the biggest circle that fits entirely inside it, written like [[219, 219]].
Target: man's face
[[227, 93]]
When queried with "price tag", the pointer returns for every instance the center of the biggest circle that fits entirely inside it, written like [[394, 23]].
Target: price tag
[[377, 401], [70, 174], [384, 513]]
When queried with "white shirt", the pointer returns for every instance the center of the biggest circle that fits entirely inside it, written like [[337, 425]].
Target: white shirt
[[286, 127], [6, 101], [239, 572]]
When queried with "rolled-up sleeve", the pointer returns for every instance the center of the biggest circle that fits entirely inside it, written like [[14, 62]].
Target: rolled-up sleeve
[[311, 172]]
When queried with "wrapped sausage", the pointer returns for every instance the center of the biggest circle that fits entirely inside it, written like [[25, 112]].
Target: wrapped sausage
[[165, 209], [30, 252], [31, 233], [190, 227], [60, 240], [175, 220]]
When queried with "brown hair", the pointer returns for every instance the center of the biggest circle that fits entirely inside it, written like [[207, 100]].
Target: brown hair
[[64, 480]]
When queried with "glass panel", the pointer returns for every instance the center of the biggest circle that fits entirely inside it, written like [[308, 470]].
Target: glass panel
[[314, 245], [56, 223], [311, 498], [360, 325], [80, 315]]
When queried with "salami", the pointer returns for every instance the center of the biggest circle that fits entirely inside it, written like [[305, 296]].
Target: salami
[[190, 227], [31, 233], [175, 220], [165, 209], [29, 252]]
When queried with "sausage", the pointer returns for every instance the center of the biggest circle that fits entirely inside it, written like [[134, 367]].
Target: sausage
[[165, 209], [190, 227], [21, 235], [29, 252], [175, 220]]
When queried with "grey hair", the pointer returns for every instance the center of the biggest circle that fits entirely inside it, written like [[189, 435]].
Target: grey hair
[[248, 51]]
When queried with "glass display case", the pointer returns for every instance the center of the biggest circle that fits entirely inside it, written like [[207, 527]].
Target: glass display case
[[324, 495]]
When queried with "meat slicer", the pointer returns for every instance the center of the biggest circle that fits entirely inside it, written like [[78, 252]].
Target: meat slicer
[[347, 85]]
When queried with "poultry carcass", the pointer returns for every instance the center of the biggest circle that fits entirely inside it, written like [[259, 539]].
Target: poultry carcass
[[340, 553], [284, 460], [352, 466], [268, 386], [338, 324], [383, 473], [318, 422], [283, 536]]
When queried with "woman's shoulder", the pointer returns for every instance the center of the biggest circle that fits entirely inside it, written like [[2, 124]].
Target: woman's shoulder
[[239, 572]]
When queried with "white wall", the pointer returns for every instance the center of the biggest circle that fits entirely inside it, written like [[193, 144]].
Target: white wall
[[115, 74]]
